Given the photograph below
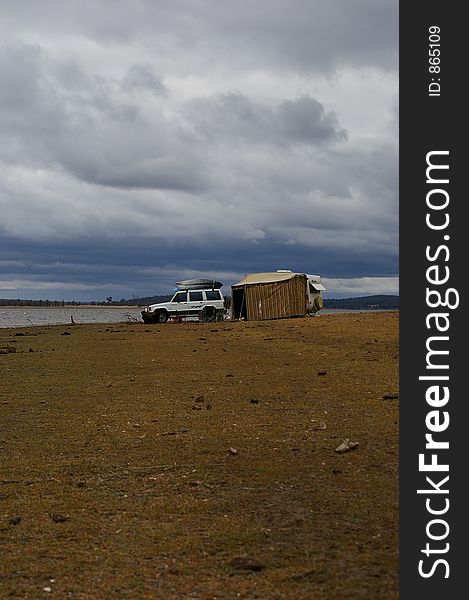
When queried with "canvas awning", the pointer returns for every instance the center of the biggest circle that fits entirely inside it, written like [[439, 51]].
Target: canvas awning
[[256, 278], [317, 286]]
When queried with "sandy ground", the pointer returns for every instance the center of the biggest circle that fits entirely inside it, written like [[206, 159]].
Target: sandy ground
[[198, 460]]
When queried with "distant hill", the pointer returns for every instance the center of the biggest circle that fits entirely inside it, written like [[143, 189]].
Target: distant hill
[[381, 302]]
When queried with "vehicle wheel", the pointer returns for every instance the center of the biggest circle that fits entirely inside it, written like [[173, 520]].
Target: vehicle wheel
[[208, 314], [161, 317]]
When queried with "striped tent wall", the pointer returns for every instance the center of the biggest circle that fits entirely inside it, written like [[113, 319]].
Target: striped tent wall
[[276, 300]]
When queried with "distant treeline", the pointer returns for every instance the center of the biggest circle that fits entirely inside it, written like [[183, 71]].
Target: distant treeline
[[363, 303], [108, 302], [147, 300], [20, 302]]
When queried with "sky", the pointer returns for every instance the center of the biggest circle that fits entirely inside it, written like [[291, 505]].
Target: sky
[[146, 141]]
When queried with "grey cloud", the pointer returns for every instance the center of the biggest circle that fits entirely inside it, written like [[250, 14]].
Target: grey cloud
[[26, 98], [306, 35], [18, 84], [306, 120], [165, 173], [82, 124], [229, 116], [52, 115], [235, 117], [142, 77], [128, 155], [143, 267]]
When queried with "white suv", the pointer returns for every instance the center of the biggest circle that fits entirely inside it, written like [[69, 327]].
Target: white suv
[[208, 305]]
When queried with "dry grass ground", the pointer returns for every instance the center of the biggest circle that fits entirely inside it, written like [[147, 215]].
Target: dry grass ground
[[118, 481]]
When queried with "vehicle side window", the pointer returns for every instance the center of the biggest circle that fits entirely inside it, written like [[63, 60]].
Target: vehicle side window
[[180, 297], [214, 295], [195, 296]]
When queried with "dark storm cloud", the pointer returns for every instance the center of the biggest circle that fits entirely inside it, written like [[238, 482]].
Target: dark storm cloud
[[132, 268], [289, 34], [233, 116], [144, 140], [306, 120], [54, 113]]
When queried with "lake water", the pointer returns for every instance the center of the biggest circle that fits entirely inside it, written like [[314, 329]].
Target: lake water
[[24, 316]]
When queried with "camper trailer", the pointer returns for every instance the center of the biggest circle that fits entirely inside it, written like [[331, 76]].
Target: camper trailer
[[276, 295]]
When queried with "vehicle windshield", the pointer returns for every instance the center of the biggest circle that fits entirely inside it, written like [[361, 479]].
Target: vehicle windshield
[[179, 297]]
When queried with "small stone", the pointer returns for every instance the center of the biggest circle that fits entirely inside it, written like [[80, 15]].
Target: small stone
[[232, 451], [58, 518], [322, 373], [244, 563], [346, 446], [14, 521], [230, 375], [254, 401], [391, 397], [200, 399], [320, 426]]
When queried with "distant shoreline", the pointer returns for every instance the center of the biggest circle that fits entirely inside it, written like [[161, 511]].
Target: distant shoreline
[[70, 306]]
